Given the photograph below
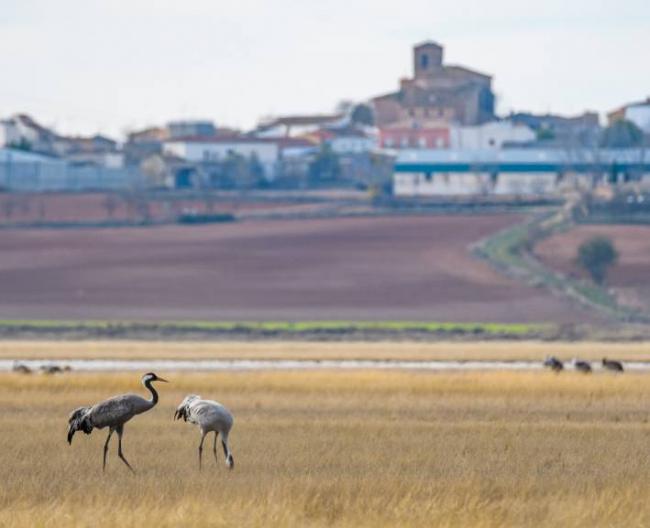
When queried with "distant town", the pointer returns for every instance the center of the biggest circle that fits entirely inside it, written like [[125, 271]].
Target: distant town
[[437, 134]]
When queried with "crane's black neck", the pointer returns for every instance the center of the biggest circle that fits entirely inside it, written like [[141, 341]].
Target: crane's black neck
[[154, 394]]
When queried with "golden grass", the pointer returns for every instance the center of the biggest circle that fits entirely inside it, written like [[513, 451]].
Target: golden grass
[[497, 350], [338, 449]]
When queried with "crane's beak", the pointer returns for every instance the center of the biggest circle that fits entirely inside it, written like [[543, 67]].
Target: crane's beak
[[161, 379]]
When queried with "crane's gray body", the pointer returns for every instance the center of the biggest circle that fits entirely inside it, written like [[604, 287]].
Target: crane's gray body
[[210, 416], [113, 413]]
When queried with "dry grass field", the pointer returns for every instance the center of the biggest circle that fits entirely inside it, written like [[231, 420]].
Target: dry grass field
[[492, 350], [338, 449]]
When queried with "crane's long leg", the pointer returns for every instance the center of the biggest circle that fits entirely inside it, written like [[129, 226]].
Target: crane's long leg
[[201, 447], [120, 431], [110, 432], [226, 451], [214, 446]]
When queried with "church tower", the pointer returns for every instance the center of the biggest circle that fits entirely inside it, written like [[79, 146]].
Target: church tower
[[427, 58]]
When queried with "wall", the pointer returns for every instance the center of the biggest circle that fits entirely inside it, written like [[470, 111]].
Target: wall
[[58, 176], [489, 135], [640, 116], [9, 134], [266, 152], [411, 184], [423, 138], [343, 145]]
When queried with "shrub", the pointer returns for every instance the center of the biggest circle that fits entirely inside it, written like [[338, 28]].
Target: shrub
[[596, 256]]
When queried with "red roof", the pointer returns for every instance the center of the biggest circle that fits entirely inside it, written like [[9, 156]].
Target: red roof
[[281, 142]]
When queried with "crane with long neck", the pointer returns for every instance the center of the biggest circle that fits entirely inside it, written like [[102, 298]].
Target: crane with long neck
[[114, 413]]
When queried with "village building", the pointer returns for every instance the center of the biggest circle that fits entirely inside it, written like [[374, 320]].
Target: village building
[[528, 171], [296, 125], [638, 113], [179, 129], [492, 135], [217, 149], [437, 91], [559, 130]]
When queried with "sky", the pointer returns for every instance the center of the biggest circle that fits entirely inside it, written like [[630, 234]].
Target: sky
[[117, 65]]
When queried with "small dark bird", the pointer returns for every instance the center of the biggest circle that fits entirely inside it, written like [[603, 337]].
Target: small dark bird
[[614, 366], [582, 366], [553, 363], [23, 369], [51, 369]]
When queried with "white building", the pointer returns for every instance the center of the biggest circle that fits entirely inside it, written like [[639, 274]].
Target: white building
[[267, 151], [353, 142], [492, 135], [9, 133], [639, 114], [432, 172]]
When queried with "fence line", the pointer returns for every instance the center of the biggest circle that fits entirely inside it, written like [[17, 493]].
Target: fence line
[[60, 176]]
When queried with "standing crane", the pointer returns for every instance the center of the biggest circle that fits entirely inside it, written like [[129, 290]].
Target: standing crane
[[113, 413], [553, 363], [582, 366], [210, 416], [613, 365]]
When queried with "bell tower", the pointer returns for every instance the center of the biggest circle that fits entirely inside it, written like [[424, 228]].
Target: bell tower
[[427, 58]]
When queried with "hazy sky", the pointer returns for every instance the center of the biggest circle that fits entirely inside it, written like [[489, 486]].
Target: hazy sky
[[85, 66]]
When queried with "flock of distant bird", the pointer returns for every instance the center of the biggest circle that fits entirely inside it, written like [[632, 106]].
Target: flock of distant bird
[[45, 369], [210, 416], [556, 365]]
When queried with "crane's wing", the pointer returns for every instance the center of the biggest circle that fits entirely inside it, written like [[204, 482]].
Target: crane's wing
[[115, 411], [210, 412], [183, 410]]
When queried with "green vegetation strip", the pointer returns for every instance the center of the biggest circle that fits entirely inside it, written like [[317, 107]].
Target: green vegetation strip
[[304, 327], [510, 251]]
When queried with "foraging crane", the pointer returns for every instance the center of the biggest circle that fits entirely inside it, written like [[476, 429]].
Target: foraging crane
[[113, 413], [582, 366], [610, 364], [553, 363], [210, 416]]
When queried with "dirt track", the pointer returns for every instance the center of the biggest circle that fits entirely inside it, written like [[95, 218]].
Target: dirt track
[[631, 275], [415, 268]]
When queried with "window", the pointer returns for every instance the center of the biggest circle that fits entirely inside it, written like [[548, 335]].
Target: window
[[424, 61]]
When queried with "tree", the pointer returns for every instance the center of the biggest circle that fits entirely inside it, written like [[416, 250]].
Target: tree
[[235, 170], [362, 114], [326, 165], [255, 171], [622, 134], [596, 256], [21, 144]]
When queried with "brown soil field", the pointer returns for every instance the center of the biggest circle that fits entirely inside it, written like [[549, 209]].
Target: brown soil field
[[380, 268], [44, 208], [630, 277]]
